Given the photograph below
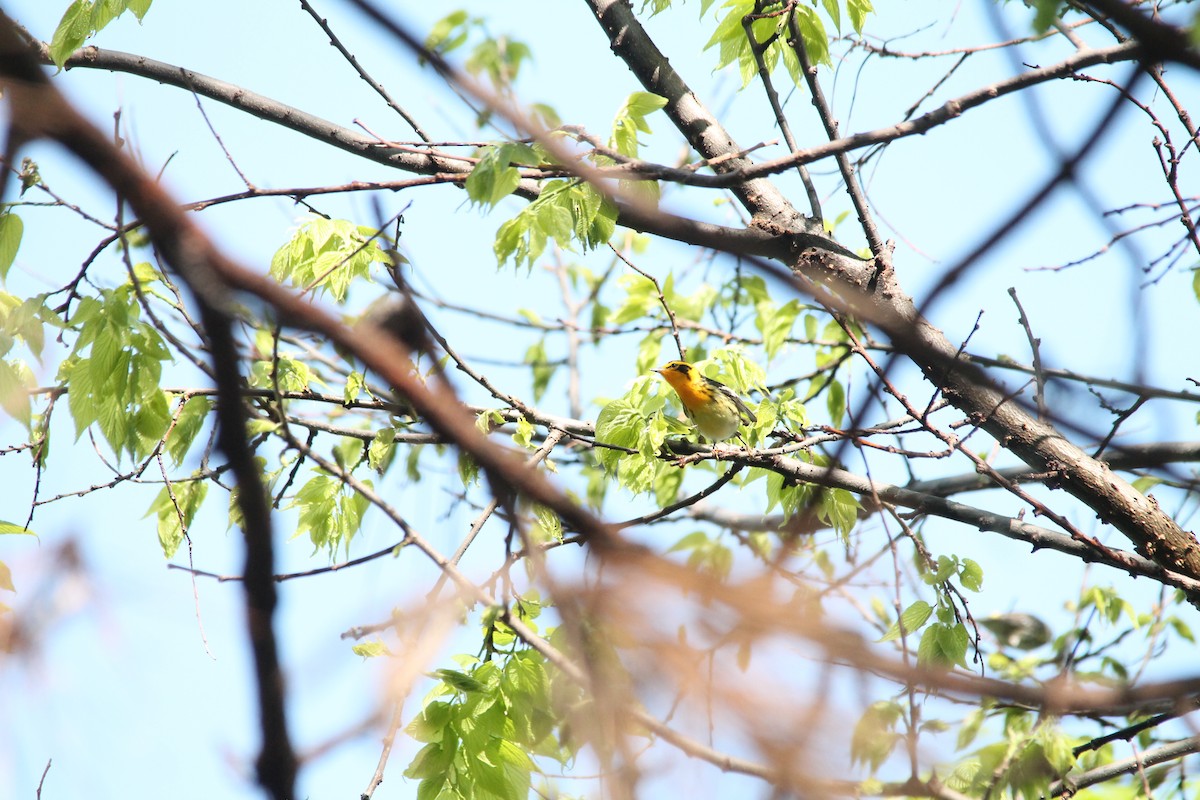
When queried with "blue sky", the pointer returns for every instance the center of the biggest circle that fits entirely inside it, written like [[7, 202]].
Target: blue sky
[[119, 690]]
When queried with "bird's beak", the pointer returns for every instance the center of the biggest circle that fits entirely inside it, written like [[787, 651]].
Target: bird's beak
[[659, 371]]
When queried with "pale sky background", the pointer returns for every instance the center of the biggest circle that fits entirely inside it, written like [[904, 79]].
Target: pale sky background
[[118, 689]]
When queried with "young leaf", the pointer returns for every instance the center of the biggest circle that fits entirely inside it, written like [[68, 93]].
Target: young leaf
[[816, 41], [11, 230], [328, 255], [493, 177], [631, 119], [371, 649], [858, 10], [971, 575], [543, 369], [330, 512], [175, 515], [874, 736], [835, 402], [187, 425], [382, 449], [943, 645], [776, 324], [14, 395], [448, 33], [73, 29], [911, 619]]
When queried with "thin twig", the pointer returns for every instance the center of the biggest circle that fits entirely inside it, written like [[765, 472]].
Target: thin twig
[[1035, 349], [362, 73], [662, 299]]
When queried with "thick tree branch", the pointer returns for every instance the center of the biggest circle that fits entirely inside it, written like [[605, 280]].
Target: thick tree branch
[[703, 131], [1155, 533]]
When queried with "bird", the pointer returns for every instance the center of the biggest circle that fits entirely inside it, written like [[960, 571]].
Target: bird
[[713, 407]]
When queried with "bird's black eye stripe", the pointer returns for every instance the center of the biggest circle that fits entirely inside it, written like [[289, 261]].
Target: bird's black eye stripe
[[680, 367]]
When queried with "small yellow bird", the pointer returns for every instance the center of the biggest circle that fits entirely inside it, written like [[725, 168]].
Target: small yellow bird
[[713, 407]]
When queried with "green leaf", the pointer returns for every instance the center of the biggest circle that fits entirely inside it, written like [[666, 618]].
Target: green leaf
[[858, 10], [139, 7], [1057, 748], [689, 542], [835, 402], [641, 299], [1182, 629], [116, 385], [12, 527], [459, 681], [549, 524], [348, 452], [493, 178], [258, 426], [874, 736], [565, 211], [631, 119], [839, 508], [468, 470], [650, 351], [834, 11], [448, 33], [6, 582], [1146, 483], [816, 41], [730, 38], [523, 435], [328, 255], [911, 619], [971, 575], [29, 320], [105, 11], [330, 512], [382, 449], [619, 423], [943, 645], [11, 230], [174, 516], [370, 649], [945, 567], [776, 324], [499, 58], [543, 370], [14, 395], [970, 726], [430, 764], [488, 420], [188, 424], [73, 29], [633, 422], [1047, 11], [355, 383], [430, 725], [667, 484]]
